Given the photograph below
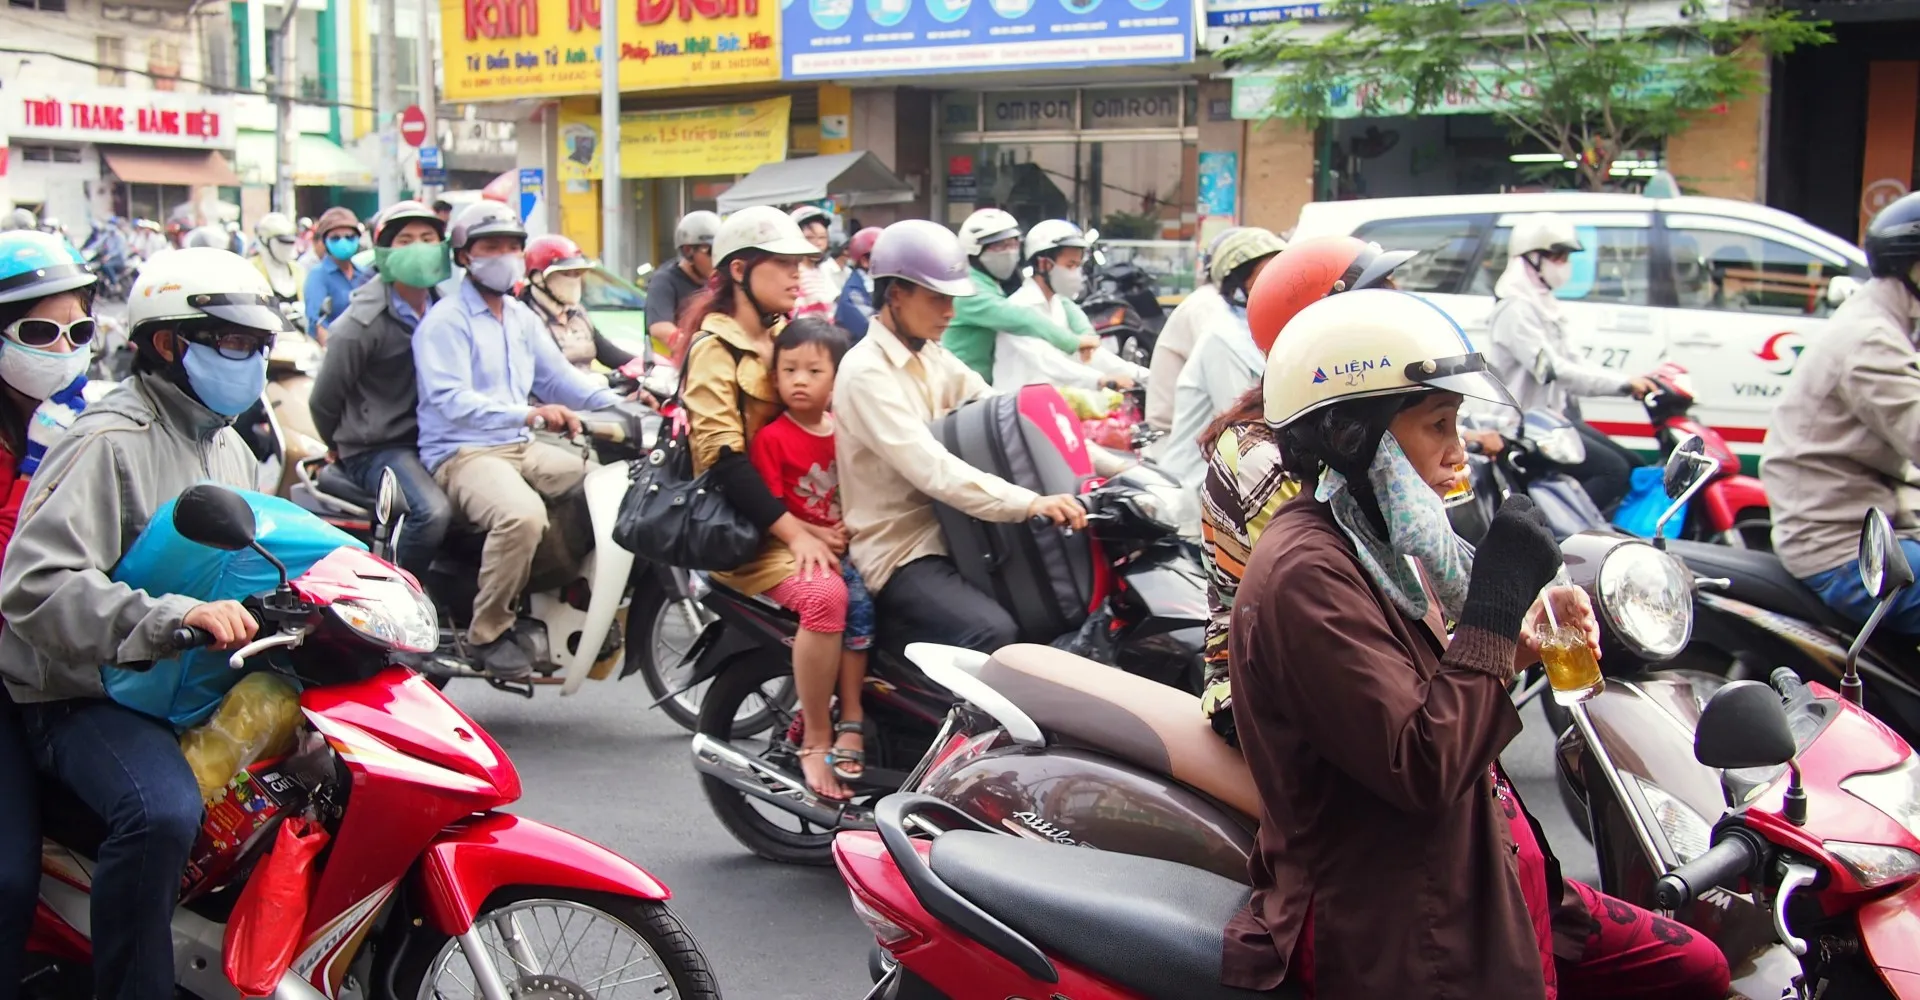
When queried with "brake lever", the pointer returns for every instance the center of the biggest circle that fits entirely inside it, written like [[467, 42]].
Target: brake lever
[[1719, 583], [275, 641]]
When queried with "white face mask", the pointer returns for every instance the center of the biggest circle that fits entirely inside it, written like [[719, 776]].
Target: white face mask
[[1067, 281], [38, 374], [565, 288], [1001, 263], [1556, 273]]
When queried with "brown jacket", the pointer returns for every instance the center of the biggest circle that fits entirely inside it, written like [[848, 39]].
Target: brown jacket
[[727, 404], [1371, 744]]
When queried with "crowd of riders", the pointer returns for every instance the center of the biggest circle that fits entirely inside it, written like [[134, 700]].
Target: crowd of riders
[[1358, 651]]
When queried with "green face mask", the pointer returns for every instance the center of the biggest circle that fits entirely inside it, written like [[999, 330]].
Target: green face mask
[[422, 265]]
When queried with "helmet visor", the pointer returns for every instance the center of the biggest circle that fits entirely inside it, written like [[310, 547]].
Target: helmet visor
[[1465, 374], [256, 312]]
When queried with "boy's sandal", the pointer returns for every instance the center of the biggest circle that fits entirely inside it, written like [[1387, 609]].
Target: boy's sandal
[[838, 756]]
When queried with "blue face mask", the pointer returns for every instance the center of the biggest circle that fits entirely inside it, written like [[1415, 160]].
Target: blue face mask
[[227, 386], [343, 247]]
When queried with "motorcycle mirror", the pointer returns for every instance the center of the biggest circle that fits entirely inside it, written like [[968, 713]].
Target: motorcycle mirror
[[1093, 236], [1682, 464], [214, 516], [1744, 725], [1884, 569], [1100, 257], [392, 502]]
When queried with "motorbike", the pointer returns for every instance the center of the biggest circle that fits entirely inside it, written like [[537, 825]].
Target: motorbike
[[1528, 463], [426, 887], [1733, 506], [1809, 880], [1121, 304], [1152, 598]]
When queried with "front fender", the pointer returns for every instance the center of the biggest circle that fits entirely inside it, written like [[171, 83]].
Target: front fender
[[471, 861]]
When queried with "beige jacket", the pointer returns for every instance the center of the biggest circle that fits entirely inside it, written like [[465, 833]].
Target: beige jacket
[[1845, 428]]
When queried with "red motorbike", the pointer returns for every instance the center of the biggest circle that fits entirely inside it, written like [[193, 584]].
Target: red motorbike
[[425, 889], [1732, 508]]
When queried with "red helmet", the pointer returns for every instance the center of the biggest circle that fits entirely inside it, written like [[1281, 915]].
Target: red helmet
[[555, 253], [861, 246], [1309, 271]]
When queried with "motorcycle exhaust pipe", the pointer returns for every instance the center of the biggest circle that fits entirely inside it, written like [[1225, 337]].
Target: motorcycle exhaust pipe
[[755, 777]]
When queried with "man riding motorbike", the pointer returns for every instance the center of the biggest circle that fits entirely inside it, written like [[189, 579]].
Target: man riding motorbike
[[855, 308], [202, 320], [671, 286], [889, 387], [1848, 426], [364, 399], [1394, 858], [1055, 251], [990, 238], [555, 285], [479, 355], [1532, 352], [1225, 363], [331, 282], [276, 254]]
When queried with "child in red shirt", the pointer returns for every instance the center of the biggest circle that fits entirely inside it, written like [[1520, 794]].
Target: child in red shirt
[[794, 454]]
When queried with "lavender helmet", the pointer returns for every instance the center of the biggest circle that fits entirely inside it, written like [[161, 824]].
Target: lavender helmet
[[925, 253]]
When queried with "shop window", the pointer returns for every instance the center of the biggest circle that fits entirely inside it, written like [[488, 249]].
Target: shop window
[[111, 53], [51, 6], [1446, 245], [49, 154], [1615, 268], [1735, 266]]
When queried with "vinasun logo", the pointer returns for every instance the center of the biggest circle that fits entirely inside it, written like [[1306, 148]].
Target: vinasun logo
[[1781, 352]]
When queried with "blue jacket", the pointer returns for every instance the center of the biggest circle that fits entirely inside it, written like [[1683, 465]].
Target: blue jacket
[[855, 310]]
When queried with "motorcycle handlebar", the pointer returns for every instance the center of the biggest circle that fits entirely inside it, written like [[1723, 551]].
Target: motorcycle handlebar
[[1727, 860], [187, 637]]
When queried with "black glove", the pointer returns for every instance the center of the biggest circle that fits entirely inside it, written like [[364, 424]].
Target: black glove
[[1516, 559]]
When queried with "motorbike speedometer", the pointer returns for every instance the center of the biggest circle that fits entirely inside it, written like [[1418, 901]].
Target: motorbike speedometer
[[1646, 599]]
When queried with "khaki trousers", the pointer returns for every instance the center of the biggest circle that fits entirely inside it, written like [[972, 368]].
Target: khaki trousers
[[505, 490]]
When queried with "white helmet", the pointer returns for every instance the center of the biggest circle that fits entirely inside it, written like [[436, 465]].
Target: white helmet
[[198, 283], [208, 236], [1544, 231], [763, 228], [1053, 234], [273, 225], [985, 228], [1372, 342], [696, 228]]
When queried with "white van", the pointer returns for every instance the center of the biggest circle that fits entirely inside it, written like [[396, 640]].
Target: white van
[[1727, 289]]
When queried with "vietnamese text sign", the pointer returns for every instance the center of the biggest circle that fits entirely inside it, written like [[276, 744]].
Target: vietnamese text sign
[[691, 142], [504, 49], [117, 115], [1219, 184], [845, 38]]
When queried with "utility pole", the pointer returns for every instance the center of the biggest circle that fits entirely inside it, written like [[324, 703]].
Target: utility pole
[[610, 185], [429, 98], [384, 101], [285, 130]]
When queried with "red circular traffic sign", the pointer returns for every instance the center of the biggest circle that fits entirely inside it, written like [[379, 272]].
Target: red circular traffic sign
[[413, 125]]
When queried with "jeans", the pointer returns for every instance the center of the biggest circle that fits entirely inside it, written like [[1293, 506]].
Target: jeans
[[19, 847], [928, 601], [1840, 588], [128, 768], [1607, 474], [429, 511]]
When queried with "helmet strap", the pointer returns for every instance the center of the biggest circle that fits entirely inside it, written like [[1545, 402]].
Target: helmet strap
[[767, 319]]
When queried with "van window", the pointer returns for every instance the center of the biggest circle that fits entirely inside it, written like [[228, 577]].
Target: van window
[[1446, 245], [1616, 268], [1733, 265], [600, 290]]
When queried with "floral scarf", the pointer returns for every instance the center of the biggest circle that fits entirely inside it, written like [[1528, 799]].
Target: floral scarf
[[1417, 528]]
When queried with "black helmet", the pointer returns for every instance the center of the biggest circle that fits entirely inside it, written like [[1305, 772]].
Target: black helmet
[[1893, 238]]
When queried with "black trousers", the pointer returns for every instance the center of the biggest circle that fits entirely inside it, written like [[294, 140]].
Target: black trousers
[[927, 601], [1608, 471]]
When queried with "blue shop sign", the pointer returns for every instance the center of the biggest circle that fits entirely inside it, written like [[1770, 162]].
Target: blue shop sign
[[834, 39]]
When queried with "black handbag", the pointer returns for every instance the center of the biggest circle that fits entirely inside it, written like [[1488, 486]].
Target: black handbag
[[675, 518]]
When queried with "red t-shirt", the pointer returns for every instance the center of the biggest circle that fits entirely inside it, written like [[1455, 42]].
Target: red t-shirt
[[797, 465]]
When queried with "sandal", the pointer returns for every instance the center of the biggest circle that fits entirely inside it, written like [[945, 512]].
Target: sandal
[[839, 756], [826, 753]]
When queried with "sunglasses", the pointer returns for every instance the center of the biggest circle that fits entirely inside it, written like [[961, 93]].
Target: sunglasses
[[232, 343], [45, 332]]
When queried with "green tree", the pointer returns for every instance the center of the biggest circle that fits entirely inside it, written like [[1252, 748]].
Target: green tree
[[1588, 79]]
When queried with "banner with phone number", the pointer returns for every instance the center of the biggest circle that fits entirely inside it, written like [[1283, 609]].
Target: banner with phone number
[[852, 38], [689, 142]]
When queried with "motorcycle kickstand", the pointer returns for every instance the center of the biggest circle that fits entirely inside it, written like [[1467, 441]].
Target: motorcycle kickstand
[[522, 688]]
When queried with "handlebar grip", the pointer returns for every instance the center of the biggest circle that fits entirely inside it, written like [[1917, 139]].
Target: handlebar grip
[[539, 423], [1728, 859], [188, 637]]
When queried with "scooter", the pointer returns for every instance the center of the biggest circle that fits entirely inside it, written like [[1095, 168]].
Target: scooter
[[1733, 508], [426, 889], [1810, 878], [1121, 304], [1528, 463]]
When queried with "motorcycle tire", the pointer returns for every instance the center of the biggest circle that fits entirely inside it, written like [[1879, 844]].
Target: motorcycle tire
[[654, 924], [648, 625]]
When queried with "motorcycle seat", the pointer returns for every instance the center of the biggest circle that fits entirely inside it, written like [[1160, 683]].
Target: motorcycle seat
[[1152, 926], [1759, 579], [1079, 702], [334, 482]]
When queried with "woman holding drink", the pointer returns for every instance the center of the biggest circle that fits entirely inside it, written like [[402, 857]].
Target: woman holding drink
[[1394, 858]]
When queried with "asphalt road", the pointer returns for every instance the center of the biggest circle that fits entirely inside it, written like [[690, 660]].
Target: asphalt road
[[604, 766]]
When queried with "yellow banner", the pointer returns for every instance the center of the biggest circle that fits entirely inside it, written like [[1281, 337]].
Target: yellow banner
[[505, 49], [725, 139]]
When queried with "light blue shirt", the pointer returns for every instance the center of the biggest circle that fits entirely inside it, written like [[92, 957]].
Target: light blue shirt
[[328, 289], [476, 373]]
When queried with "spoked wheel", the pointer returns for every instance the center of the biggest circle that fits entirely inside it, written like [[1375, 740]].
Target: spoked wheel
[[763, 828], [582, 946], [661, 631]]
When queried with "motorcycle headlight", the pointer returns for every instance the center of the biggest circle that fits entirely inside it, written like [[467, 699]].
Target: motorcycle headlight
[[1876, 865], [1155, 507], [1647, 599], [1894, 791], [1562, 446], [1688, 833], [404, 619]]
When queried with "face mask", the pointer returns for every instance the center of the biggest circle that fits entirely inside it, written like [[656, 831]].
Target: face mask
[[1067, 281], [497, 274], [227, 386], [343, 247], [1556, 273], [1000, 263], [565, 288], [38, 374], [420, 265], [280, 250]]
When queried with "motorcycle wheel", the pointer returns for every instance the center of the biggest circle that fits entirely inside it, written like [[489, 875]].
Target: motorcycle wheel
[[764, 829], [660, 632], [577, 941]]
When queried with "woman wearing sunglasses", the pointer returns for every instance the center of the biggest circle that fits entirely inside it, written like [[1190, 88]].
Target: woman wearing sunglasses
[[46, 338]]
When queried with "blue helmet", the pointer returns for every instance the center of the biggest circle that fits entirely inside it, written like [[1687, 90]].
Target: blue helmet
[[36, 265]]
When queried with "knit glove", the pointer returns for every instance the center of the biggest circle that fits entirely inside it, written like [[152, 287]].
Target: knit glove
[[1516, 559], [50, 422]]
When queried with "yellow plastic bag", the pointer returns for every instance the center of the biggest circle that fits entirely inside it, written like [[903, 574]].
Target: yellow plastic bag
[[258, 718], [1091, 404]]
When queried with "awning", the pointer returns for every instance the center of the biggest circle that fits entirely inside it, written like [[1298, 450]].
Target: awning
[[848, 178], [317, 162], [184, 167]]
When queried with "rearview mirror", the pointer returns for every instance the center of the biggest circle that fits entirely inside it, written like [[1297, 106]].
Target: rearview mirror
[[1093, 236], [1884, 569], [642, 271], [1744, 725], [392, 501], [1683, 465], [214, 516]]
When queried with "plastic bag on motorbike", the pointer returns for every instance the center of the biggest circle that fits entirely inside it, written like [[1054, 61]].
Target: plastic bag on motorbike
[[256, 720], [272, 910], [1646, 500], [185, 689]]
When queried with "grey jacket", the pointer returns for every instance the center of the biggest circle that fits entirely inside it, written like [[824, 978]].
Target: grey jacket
[[1845, 429], [125, 456], [365, 397]]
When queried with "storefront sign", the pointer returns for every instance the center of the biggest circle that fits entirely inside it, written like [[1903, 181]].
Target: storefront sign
[[505, 49], [119, 116], [726, 139], [1030, 110], [1219, 184], [1131, 108], [962, 183], [1228, 20], [845, 38]]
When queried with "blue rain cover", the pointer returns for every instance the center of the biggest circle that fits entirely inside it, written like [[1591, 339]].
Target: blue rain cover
[[186, 689], [1646, 500]]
